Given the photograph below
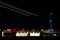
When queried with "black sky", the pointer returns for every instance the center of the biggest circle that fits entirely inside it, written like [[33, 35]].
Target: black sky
[[10, 18]]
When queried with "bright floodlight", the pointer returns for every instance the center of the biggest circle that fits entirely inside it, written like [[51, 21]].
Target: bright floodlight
[[18, 34], [34, 34]]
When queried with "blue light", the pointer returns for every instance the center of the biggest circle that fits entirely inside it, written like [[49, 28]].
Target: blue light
[[50, 26], [50, 20]]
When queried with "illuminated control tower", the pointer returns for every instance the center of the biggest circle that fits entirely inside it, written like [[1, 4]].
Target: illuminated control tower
[[51, 23]]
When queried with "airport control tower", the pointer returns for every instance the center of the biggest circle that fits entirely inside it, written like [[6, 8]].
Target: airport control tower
[[50, 22]]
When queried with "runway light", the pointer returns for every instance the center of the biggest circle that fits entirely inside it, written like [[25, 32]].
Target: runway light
[[54, 34], [44, 35]]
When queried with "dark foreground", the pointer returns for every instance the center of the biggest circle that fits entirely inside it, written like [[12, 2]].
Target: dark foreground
[[29, 38]]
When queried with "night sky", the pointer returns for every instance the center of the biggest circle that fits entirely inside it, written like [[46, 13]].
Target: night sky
[[13, 19]]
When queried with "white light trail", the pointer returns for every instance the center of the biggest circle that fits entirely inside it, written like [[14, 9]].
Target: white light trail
[[15, 8]]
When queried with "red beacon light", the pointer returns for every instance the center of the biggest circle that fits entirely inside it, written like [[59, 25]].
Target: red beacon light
[[21, 30], [9, 30], [14, 30]]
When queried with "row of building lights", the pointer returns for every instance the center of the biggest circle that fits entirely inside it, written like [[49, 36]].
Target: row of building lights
[[22, 32]]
